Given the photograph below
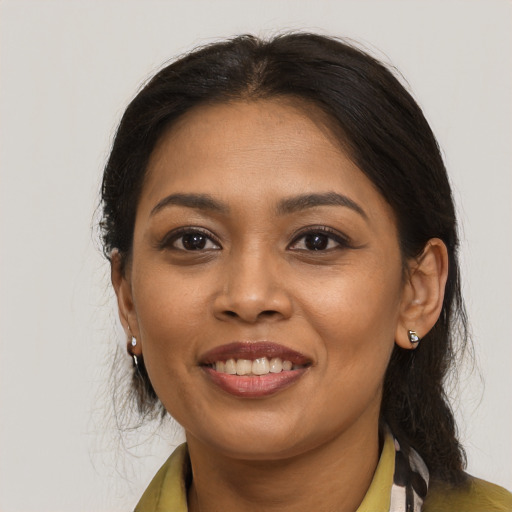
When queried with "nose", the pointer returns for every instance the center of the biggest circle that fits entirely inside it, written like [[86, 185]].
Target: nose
[[252, 291]]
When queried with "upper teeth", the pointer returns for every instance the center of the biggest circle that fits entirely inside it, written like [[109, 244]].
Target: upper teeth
[[260, 366]]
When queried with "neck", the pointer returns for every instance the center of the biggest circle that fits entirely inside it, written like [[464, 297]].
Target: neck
[[333, 476]]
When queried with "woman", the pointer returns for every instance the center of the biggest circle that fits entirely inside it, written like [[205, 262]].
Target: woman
[[283, 245]]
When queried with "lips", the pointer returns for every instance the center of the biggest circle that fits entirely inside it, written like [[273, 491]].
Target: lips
[[252, 351], [254, 369]]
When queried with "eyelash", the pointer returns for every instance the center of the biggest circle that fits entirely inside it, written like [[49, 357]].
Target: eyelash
[[341, 240], [171, 238]]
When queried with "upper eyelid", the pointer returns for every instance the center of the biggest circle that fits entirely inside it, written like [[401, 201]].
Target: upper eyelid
[[334, 234], [174, 234], [328, 231]]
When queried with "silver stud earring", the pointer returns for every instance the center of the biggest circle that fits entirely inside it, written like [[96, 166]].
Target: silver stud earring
[[414, 339], [133, 344]]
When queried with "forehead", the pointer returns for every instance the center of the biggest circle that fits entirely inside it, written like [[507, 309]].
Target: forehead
[[273, 123], [255, 149]]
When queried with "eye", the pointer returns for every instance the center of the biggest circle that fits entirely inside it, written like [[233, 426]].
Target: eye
[[321, 239], [190, 240]]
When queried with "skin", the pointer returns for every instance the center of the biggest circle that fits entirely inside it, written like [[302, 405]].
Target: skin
[[256, 279]]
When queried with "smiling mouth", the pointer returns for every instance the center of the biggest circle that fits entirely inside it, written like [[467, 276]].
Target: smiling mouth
[[253, 370]]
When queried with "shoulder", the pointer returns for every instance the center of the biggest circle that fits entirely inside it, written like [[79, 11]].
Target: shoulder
[[168, 489], [473, 496]]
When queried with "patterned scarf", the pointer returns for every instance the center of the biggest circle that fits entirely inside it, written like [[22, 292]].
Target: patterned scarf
[[410, 481]]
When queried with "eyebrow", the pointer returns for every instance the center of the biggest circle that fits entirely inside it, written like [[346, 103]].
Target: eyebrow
[[286, 206], [305, 201], [196, 201]]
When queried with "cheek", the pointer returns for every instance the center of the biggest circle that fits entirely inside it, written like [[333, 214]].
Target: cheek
[[171, 318], [355, 321], [355, 311], [167, 301]]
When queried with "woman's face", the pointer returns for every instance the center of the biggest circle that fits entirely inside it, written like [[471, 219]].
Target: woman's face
[[257, 239]]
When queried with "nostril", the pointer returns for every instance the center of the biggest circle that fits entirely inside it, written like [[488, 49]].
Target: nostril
[[268, 313]]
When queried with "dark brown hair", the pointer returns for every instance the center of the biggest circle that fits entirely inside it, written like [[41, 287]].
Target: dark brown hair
[[387, 137]]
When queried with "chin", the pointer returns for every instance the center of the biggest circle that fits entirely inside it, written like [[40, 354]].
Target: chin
[[259, 438]]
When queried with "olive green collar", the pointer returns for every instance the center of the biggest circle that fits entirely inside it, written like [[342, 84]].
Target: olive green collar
[[167, 492]]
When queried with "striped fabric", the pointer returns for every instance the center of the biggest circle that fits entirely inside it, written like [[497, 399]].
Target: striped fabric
[[410, 481]]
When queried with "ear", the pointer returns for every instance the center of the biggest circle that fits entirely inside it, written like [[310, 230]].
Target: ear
[[423, 293], [121, 281]]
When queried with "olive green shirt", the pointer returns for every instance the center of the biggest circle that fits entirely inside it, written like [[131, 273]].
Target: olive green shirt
[[167, 491]]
